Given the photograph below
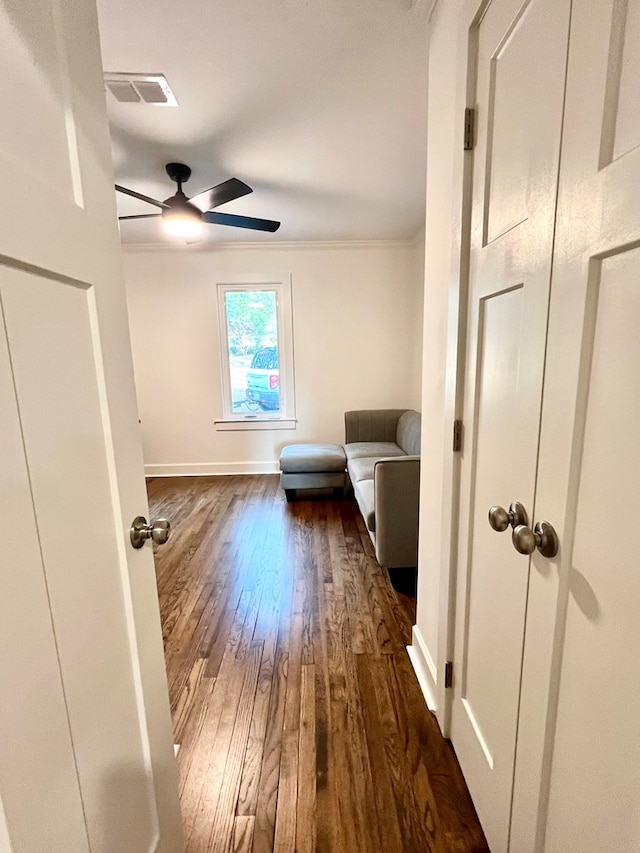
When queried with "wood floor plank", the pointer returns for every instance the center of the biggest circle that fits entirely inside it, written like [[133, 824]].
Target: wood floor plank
[[306, 801], [450, 794], [294, 673], [286, 812], [327, 827], [228, 783], [414, 806], [349, 759], [243, 834], [301, 723], [186, 699], [385, 802], [327, 832], [212, 787], [192, 738], [251, 770], [264, 830], [216, 727], [215, 642], [267, 632]]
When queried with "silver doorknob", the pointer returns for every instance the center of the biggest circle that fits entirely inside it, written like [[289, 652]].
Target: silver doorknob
[[543, 537], [158, 530], [500, 518]]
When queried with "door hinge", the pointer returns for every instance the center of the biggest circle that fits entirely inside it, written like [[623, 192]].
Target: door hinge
[[469, 128], [457, 436], [448, 673]]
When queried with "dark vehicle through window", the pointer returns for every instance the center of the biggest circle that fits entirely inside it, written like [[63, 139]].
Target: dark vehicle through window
[[266, 359], [263, 379]]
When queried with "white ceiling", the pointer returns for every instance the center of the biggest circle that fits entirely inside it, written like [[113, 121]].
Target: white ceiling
[[319, 105]]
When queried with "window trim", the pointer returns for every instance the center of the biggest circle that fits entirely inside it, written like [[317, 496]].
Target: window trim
[[285, 418]]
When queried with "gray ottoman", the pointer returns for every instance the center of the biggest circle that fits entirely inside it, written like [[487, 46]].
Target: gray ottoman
[[312, 466]]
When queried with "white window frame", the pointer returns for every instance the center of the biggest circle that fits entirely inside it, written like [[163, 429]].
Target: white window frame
[[285, 418]]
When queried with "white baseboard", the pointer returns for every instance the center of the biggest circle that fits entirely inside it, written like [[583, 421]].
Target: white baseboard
[[424, 668], [210, 469]]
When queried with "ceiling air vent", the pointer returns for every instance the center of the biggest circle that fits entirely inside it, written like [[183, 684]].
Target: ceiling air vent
[[140, 88]]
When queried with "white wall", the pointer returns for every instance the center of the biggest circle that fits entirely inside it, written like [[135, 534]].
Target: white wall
[[418, 309], [438, 353], [356, 334]]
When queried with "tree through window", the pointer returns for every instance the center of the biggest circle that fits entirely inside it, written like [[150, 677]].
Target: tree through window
[[255, 333]]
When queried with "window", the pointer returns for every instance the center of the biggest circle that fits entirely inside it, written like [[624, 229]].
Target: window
[[256, 349]]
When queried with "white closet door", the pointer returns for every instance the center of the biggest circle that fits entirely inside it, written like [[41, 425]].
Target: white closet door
[[520, 64], [584, 611]]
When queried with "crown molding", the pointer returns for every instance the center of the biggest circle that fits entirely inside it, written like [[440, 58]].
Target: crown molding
[[273, 247]]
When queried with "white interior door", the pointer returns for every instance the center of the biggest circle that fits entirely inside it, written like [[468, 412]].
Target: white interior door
[[577, 784], [520, 64], [86, 758]]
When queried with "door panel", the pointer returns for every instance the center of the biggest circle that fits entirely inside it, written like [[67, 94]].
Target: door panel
[[42, 85], [520, 68], [621, 131], [599, 693], [64, 306], [63, 425], [577, 780], [520, 74], [39, 772], [489, 671]]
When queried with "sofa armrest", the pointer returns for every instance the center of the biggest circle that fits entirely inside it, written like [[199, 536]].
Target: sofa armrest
[[371, 424], [397, 503]]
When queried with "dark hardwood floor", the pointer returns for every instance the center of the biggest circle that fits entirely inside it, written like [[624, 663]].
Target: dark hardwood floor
[[300, 721]]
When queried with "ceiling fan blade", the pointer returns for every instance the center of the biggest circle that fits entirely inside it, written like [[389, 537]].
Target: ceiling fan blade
[[240, 221], [220, 194], [141, 216], [146, 198]]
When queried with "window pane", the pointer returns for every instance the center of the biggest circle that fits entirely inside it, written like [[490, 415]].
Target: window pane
[[252, 333]]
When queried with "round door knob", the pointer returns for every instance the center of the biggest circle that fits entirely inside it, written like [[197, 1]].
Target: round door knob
[[543, 537], [140, 531], [160, 529], [500, 518], [524, 540]]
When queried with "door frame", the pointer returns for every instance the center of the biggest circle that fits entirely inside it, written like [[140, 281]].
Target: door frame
[[456, 345]]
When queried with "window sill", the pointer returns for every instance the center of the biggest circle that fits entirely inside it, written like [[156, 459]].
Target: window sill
[[255, 423]]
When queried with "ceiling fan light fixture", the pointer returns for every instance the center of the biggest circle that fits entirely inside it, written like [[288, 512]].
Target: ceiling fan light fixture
[[182, 223], [185, 217]]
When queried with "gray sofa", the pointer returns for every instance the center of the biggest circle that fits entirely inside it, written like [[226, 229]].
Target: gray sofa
[[382, 447]]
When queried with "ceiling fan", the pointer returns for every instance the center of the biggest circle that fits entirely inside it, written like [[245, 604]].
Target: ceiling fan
[[184, 217]]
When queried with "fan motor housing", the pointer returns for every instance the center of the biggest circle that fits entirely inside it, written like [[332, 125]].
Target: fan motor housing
[[179, 202], [178, 172]]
